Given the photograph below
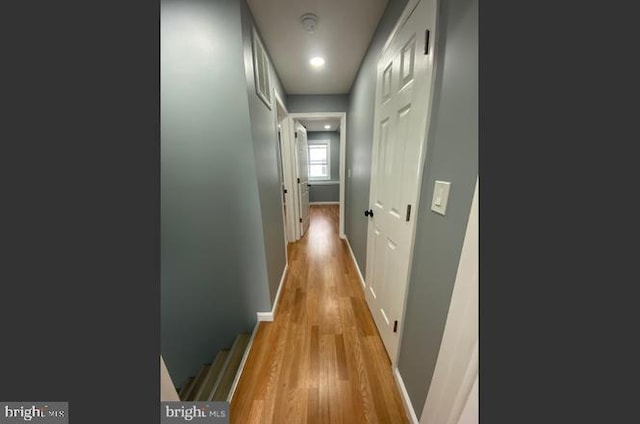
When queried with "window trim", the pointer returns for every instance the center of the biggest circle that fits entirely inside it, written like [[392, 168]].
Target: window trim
[[320, 142]]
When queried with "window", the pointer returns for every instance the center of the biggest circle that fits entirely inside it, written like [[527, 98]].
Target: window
[[261, 70], [319, 160]]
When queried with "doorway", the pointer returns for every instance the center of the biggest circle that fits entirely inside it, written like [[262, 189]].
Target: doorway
[[326, 164]]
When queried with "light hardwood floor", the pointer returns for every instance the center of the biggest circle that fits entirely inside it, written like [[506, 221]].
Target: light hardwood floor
[[321, 360]]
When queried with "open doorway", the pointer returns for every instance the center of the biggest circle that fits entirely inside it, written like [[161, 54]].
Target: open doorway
[[285, 171], [326, 150]]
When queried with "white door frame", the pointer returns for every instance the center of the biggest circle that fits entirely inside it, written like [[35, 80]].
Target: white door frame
[[343, 151], [288, 175]]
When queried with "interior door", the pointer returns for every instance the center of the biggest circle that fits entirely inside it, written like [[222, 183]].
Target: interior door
[[403, 98], [302, 161], [282, 185]]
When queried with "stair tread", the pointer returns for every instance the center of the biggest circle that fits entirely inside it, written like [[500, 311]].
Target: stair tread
[[212, 377], [198, 381], [231, 366], [186, 388]]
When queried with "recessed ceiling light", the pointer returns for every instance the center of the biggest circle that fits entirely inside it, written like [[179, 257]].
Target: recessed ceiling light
[[326, 127], [316, 61]]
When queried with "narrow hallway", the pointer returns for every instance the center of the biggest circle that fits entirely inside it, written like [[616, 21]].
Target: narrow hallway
[[321, 360]]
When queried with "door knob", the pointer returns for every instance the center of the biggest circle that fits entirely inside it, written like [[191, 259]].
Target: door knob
[[368, 213]]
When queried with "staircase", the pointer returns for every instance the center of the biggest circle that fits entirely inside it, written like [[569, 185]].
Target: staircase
[[214, 381]]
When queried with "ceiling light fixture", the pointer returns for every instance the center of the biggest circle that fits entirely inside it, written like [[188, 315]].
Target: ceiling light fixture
[[316, 61], [309, 22], [326, 127]]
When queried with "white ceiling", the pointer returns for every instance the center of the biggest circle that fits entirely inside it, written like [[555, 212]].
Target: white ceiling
[[314, 125], [342, 36]]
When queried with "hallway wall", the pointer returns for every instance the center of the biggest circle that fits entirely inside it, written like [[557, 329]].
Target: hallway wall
[[452, 155], [360, 136], [304, 103], [266, 155], [213, 267]]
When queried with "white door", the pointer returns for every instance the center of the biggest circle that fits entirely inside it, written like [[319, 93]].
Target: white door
[[302, 159], [403, 99]]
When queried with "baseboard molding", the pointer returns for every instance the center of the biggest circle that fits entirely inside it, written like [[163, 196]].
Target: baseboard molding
[[353, 257], [411, 413], [269, 316], [236, 380], [324, 203]]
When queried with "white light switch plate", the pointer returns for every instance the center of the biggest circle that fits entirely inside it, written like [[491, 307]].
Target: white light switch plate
[[440, 197]]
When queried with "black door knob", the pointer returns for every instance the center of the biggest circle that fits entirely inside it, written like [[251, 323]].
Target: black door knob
[[368, 213]]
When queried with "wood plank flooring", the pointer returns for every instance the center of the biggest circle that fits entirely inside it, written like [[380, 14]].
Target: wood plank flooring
[[321, 360]]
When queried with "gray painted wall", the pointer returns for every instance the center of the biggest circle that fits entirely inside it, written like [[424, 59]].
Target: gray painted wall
[[452, 155], [301, 103], [360, 136], [265, 149], [213, 268], [324, 192]]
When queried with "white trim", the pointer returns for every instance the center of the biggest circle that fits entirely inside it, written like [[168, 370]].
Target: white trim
[[353, 257], [323, 182], [324, 203], [265, 96], [343, 153], [264, 316], [270, 316], [289, 218], [411, 414], [236, 380]]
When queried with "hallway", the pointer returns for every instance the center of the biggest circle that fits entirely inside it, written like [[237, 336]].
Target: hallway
[[321, 360]]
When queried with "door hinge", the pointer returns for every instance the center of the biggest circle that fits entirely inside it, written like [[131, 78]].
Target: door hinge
[[395, 326], [408, 212], [286, 191], [298, 180], [296, 134], [426, 42], [300, 219]]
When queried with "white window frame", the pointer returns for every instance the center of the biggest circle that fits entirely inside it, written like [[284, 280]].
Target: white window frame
[[323, 142], [261, 70]]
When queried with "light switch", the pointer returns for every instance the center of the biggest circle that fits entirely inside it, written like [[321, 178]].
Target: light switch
[[440, 197]]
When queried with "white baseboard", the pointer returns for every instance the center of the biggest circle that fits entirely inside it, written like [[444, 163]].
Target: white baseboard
[[411, 414], [324, 203], [265, 316], [269, 316], [242, 362], [353, 257]]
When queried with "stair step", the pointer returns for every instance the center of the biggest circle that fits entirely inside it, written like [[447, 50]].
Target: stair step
[[186, 388], [213, 376], [230, 368], [190, 396]]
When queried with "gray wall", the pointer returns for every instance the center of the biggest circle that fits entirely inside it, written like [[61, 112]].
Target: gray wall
[[327, 192], [360, 136], [452, 155], [213, 268], [265, 149], [301, 103]]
